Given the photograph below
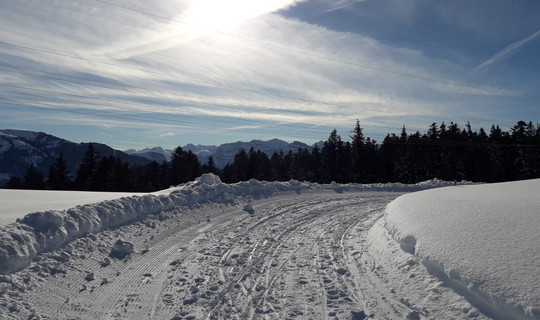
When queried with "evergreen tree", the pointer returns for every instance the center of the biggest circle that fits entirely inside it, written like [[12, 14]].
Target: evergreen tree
[[14, 183], [211, 167], [331, 158], [121, 177], [358, 173], [387, 157], [184, 166], [59, 178], [33, 179], [86, 175], [241, 166], [316, 164]]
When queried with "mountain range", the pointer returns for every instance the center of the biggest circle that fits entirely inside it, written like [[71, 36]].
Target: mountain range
[[19, 149], [224, 153]]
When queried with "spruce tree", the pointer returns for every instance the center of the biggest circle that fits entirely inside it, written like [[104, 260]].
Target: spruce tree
[[33, 179], [211, 167], [59, 178], [184, 166], [86, 175], [358, 157], [331, 162]]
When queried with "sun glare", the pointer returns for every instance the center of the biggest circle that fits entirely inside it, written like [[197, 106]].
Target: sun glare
[[224, 15]]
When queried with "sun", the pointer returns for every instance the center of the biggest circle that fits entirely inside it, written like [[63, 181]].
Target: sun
[[224, 15]]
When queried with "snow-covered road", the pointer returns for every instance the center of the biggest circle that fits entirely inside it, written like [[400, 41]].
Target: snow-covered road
[[309, 255]]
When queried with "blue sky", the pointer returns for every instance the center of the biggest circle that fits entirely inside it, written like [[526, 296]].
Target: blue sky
[[137, 74]]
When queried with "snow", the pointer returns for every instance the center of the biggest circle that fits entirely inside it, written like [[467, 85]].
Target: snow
[[17, 203], [279, 250], [481, 240]]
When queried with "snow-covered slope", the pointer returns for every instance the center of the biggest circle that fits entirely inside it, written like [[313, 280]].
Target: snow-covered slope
[[481, 240]]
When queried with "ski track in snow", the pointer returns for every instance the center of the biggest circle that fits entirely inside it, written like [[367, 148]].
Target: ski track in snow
[[318, 254]]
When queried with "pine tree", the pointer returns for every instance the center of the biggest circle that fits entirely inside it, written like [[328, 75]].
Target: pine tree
[[14, 183], [211, 167], [86, 175], [331, 158], [59, 178], [184, 166], [358, 155], [33, 179]]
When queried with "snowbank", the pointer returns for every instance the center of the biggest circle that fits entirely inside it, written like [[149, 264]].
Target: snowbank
[[48, 230], [17, 203], [481, 240]]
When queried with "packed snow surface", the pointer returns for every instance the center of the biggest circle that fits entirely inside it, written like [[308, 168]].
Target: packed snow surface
[[481, 240], [208, 250], [17, 203]]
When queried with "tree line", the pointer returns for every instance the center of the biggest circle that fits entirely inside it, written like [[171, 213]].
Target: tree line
[[447, 152], [100, 173]]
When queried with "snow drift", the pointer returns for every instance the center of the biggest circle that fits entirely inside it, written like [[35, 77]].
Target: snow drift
[[481, 240]]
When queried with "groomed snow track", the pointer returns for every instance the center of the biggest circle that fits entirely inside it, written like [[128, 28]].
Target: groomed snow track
[[300, 253]]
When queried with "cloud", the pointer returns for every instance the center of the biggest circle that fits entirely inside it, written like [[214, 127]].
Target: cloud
[[167, 134], [265, 71], [507, 52]]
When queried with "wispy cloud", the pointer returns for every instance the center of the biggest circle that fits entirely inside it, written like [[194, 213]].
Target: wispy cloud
[[507, 52], [263, 72]]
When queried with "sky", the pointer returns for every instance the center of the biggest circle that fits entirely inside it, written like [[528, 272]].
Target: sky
[[140, 74]]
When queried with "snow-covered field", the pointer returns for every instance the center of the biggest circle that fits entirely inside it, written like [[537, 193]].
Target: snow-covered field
[[252, 250], [17, 203]]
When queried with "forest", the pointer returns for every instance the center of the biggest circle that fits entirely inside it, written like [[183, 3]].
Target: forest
[[446, 152]]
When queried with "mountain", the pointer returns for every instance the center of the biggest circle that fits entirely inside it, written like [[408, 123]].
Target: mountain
[[157, 154], [202, 152], [226, 152], [19, 149], [223, 154]]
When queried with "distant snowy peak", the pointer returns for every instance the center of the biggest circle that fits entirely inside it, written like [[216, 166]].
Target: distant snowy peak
[[201, 151], [226, 152], [223, 154], [200, 148], [157, 154]]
